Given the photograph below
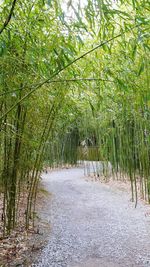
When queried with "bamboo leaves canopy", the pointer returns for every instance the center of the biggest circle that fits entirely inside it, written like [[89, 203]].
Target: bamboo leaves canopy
[[72, 71]]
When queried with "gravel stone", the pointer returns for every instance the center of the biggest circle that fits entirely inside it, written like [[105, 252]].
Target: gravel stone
[[93, 225]]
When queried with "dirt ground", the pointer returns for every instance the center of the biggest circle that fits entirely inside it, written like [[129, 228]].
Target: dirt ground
[[22, 247], [81, 222]]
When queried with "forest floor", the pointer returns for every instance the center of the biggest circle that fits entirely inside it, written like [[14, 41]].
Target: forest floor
[[22, 247], [82, 222], [93, 224]]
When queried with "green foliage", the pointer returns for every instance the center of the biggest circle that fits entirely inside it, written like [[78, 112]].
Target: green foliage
[[47, 104]]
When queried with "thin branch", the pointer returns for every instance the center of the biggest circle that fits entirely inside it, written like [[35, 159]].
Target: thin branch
[[65, 67], [80, 79], [63, 81], [9, 17]]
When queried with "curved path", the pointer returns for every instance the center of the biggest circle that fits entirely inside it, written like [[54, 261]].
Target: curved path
[[93, 225]]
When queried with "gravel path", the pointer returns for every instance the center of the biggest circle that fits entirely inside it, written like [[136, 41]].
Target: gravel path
[[93, 225]]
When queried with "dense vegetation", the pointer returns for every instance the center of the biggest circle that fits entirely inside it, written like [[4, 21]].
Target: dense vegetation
[[72, 72]]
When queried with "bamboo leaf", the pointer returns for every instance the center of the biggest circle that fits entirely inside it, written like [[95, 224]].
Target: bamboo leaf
[[141, 69]]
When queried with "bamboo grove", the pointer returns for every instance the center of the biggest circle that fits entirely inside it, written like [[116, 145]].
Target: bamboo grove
[[72, 72]]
